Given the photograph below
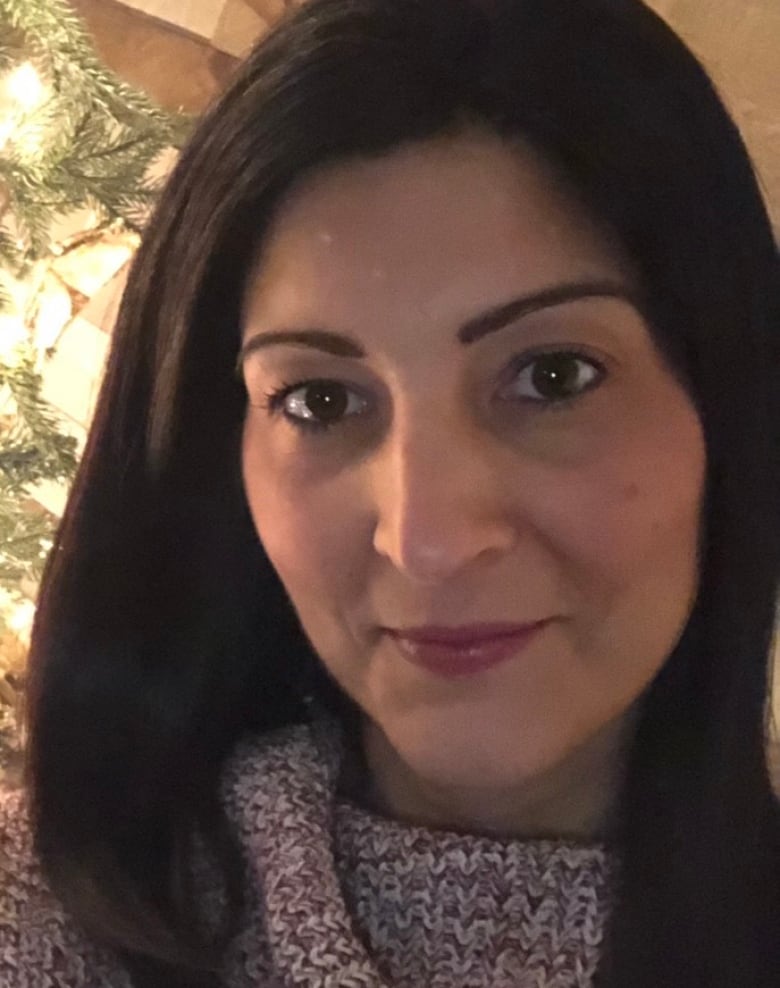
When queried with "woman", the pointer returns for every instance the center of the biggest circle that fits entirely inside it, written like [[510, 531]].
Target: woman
[[411, 616]]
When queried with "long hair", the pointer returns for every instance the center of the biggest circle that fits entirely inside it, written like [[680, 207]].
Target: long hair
[[163, 634]]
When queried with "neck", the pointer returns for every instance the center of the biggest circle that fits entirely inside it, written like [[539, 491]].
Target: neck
[[573, 800]]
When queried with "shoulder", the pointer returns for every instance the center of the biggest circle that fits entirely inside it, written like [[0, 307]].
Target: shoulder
[[22, 881], [39, 945], [277, 775], [274, 759]]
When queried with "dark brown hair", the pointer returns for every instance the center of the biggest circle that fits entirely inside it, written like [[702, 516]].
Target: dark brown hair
[[163, 634]]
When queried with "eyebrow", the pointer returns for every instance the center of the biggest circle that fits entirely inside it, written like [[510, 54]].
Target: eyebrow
[[470, 332]]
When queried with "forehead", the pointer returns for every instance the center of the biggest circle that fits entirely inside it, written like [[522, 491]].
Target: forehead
[[434, 228]]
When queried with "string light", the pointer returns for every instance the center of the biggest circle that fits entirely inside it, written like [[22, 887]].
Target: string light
[[54, 312], [22, 92], [13, 333], [20, 619], [25, 87]]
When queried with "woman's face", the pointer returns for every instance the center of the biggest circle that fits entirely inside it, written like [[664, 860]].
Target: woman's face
[[461, 461]]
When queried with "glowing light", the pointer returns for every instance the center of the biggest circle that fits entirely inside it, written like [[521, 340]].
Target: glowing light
[[25, 86], [12, 334], [20, 620], [7, 126], [18, 615], [54, 311], [22, 91]]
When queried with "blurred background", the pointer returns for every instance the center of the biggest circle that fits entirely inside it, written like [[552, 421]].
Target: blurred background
[[95, 147]]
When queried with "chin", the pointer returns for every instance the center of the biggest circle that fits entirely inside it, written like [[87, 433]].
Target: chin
[[475, 753]]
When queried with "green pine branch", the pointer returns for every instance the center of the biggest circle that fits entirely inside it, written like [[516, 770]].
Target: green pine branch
[[25, 540], [89, 142], [32, 449]]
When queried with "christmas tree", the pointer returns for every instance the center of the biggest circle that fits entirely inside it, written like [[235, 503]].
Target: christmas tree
[[76, 148]]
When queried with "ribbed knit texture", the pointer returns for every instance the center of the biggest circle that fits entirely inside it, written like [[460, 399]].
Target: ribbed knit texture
[[441, 909], [342, 898]]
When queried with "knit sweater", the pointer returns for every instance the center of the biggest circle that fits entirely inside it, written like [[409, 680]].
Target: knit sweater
[[340, 897]]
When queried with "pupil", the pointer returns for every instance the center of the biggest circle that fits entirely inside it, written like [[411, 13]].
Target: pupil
[[326, 402], [556, 376]]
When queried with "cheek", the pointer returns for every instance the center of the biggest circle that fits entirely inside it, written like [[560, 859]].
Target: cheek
[[304, 523], [629, 517]]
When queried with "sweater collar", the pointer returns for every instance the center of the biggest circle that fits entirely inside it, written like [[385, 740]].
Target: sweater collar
[[338, 887]]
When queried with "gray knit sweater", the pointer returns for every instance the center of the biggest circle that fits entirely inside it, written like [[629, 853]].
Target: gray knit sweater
[[341, 898]]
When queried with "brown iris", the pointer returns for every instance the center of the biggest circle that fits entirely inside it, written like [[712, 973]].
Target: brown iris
[[556, 376], [326, 401]]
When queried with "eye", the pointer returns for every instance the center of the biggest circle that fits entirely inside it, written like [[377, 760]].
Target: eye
[[316, 404], [555, 377]]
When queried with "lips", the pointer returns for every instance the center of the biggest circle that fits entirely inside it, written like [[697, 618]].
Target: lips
[[466, 650]]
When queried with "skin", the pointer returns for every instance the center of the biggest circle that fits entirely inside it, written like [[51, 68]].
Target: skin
[[449, 493]]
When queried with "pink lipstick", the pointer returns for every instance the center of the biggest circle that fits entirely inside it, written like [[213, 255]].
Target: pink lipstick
[[464, 651]]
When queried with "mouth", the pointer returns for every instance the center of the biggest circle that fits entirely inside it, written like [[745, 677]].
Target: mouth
[[466, 650]]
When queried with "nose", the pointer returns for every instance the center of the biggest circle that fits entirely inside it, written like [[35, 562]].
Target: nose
[[440, 502]]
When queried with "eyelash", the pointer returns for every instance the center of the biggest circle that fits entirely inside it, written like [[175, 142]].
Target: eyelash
[[274, 401]]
